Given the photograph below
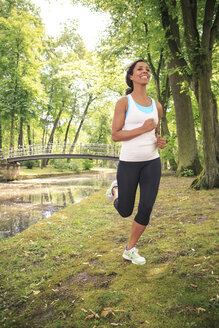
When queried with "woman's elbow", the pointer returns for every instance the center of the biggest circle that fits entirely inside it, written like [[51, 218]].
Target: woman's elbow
[[115, 136]]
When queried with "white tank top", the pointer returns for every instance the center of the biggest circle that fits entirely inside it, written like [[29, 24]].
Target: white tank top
[[142, 147]]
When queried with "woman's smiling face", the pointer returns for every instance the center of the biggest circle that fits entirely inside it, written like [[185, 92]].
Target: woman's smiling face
[[141, 73]]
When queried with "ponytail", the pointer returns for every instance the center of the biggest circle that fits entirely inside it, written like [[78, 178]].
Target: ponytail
[[128, 91]]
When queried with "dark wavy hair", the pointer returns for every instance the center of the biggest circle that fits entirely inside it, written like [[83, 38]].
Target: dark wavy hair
[[129, 72]]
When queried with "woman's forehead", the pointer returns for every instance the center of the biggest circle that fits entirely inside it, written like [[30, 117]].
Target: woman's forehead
[[142, 64]]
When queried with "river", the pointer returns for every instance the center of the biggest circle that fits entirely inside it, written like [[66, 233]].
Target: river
[[23, 203]]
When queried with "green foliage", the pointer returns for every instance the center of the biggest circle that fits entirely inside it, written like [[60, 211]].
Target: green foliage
[[75, 165], [31, 164], [170, 150], [87, 164], [187, 173]]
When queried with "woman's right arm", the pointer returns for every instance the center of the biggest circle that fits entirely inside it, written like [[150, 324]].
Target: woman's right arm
[[118, 134]]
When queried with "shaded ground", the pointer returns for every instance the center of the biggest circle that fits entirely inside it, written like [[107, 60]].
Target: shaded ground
[[67, 271]]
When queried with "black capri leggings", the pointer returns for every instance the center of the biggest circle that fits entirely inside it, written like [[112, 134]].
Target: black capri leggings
[[129, 175]]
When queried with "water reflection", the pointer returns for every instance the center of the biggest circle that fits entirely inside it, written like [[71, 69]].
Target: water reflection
[[25, 203]]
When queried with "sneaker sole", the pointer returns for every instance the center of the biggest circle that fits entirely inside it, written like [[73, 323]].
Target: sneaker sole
[[127, 258]]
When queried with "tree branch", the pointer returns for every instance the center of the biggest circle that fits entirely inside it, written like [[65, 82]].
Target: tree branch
[[189, 12], [214, 30], [171, 28], [207, 23]]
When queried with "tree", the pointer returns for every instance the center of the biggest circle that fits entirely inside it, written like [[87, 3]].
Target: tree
[[199, 37], [187, 147], [199, 40], [20, 50]]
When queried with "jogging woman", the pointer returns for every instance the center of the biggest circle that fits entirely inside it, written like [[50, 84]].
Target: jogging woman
[[135, 123]]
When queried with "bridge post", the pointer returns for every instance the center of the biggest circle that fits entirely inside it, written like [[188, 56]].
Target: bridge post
[[9, 171]]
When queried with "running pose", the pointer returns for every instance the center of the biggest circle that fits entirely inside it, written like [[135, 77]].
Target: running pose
[[135, 123]]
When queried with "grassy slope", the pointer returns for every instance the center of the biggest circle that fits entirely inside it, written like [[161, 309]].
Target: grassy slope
[[67, 270]]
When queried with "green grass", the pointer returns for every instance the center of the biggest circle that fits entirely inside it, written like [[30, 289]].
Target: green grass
[[37, 172], [67, 270], [46, 171]]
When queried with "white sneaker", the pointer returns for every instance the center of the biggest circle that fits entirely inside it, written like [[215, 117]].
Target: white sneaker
[[109, 193], [132, 255]]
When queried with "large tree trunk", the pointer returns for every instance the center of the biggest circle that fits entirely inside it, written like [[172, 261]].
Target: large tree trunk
[[210, 176], [187, 146], [199, 46]]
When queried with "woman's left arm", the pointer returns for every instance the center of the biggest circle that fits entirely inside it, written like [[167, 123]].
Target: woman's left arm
[[161, 142]]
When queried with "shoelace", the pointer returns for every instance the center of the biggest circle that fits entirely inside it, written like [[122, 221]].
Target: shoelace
[[134, 250]]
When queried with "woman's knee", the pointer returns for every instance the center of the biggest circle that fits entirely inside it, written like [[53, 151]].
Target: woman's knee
[[143, 214], [142, 220], [125, 213]]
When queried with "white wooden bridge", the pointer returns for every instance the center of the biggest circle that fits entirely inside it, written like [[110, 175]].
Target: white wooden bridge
[[39, 152]]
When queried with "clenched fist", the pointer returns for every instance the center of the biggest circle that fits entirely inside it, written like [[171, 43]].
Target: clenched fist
[[149, 125], [161, 142]]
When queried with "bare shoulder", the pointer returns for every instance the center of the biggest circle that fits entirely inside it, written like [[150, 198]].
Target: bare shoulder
[[122, 103], [159, 108]]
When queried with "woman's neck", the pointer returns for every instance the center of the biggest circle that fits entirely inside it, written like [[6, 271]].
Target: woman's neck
[[139, 94], [140, 91]]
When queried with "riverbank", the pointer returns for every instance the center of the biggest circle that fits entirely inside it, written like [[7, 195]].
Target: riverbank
[[48, 172], [67, 270]]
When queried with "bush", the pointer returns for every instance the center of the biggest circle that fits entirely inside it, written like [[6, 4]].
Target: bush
[[30, 164], [75, 166], [87, 164], [187, 173]]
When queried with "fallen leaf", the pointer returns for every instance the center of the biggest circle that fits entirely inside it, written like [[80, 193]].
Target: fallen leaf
[[36, 292], [159, 304], [95, 314], [84, 310], [107, 311], [193, 285], [90, 316], [200, 310], [63, 315]]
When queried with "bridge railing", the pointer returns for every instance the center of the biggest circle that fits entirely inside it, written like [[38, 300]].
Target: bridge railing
[[57, 148]]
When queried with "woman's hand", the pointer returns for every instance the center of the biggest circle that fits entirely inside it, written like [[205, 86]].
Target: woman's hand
[[161, 142], [149, 125]]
